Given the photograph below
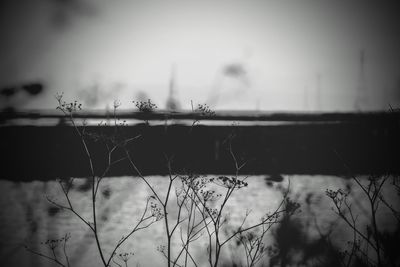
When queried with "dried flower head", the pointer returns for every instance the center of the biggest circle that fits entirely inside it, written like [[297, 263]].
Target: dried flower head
[[117, 103], [230, 182], [145, 106], [204, 110], [67, 107]]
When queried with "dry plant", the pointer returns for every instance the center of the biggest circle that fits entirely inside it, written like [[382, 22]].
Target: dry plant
[[150, 214], [368, 246], [253, 241], [202, 209], [55, 245], [200, 201]]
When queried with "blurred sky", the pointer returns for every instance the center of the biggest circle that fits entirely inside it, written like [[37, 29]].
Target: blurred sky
[[264, 55]]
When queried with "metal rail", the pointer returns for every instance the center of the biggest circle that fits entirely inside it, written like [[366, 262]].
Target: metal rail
[[219, 116]]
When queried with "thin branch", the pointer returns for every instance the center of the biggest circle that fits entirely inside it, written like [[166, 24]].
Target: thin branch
[[44, 256]]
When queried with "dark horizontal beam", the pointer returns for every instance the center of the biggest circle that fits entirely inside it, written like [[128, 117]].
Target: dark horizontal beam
[[31, 152], [251, 116]]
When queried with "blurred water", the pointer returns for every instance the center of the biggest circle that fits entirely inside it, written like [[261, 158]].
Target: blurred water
[[27, 218]]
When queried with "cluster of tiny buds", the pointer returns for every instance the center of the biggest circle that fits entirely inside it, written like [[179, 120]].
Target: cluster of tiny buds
[[53, 243], [231, 182], [67, 107], [195, 182], [156, 211], [335, 193], [213, 213], [337, 196], [125, 256], [72, 106], [161, 248], [123, 123], [145, 106], [268, 218], [209, 195], [204, 110]]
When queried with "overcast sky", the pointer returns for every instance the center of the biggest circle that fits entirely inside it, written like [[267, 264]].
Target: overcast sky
[[231, 54]]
